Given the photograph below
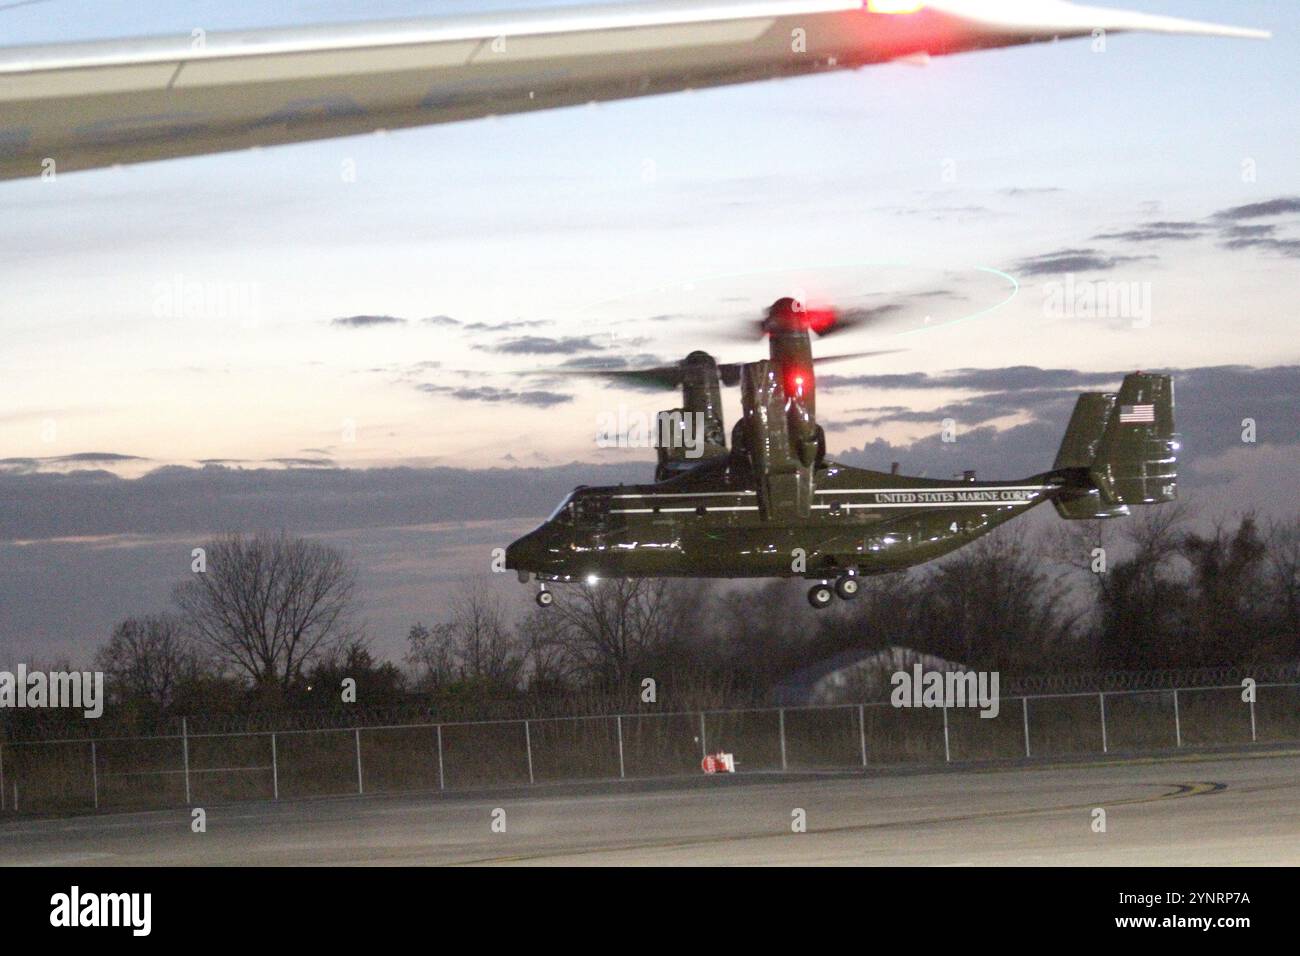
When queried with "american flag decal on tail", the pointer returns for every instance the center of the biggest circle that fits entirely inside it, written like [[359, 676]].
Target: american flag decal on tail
[[1135, 414]]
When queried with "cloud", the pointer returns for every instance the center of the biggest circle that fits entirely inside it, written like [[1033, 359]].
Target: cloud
[[207, 500], [941, 213], [1073, 260], [83, 456], [981, 379], [505, 326], [1021, 390], [1289, 248], [1158, 231], [366, 321], [79, 551], [304, 462], [533, 398], [1213, 401], [1029, 190], [544, 345], [938, 294], [66, 462], [1234, 226], [1258, 210], [1237, 233], [1249, 232], [608, 363]]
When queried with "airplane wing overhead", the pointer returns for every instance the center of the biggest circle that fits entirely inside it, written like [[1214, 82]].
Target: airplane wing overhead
[[83, 105]]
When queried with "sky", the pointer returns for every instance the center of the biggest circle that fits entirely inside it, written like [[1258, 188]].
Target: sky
[[365, 339]]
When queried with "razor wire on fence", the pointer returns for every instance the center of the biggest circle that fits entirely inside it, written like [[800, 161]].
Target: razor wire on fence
[[1081, 681], [199, 765]]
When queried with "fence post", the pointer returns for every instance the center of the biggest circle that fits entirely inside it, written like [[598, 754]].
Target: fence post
[[947, 753], [1252, 730], [360, 785], [275, 770], [862, 732], [704, 747], [781, 719], [1024, 711], [1178, 723], [442, 782], [619, 718], [94, 773], [528, 743], [3, 795], [185, 754], [1101, 696]]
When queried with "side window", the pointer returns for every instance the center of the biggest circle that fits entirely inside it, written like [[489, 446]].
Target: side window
[[593, 509]]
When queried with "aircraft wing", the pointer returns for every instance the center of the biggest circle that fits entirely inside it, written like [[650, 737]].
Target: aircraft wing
[[83, 105]]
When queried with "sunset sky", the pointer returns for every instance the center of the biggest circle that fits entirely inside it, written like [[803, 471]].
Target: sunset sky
[[404, 300]]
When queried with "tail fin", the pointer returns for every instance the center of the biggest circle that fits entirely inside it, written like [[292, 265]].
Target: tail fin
[[1120, 449]]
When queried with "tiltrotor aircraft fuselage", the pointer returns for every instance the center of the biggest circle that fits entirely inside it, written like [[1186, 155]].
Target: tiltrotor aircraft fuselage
[[773, 504]]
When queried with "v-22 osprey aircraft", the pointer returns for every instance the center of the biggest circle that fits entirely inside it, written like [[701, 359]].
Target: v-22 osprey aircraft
[[774, 505]]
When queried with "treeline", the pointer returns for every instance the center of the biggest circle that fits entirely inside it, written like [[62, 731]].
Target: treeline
[[271, 624]]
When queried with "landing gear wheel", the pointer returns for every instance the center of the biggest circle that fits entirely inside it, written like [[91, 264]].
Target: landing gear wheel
[[848, 587], [820, 596], [545, 598]]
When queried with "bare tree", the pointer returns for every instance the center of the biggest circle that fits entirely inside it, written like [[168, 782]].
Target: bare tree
[[475, 642], [432, 654], [610, 628], [996, 604], [268, 604], [1284, 564], [148, 659], [549, 669], [485, 638]]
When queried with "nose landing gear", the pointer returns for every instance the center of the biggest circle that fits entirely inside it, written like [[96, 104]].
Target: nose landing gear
[[544, 597]]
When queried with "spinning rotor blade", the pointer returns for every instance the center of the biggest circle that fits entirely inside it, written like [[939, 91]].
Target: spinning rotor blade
[[827, 359], [730, 372], [848, 319], [787, 315], [664, 376]]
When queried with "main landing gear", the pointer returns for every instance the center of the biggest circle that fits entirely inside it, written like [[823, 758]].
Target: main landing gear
[[846, 586], [820, 596]]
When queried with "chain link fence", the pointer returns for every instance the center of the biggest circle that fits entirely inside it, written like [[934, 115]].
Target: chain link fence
[[188, 768]]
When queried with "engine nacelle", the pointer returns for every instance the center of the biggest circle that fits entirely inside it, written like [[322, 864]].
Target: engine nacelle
[[784, 479]]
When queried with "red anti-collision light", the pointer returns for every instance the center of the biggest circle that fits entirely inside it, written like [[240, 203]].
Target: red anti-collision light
[[820, 320]]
